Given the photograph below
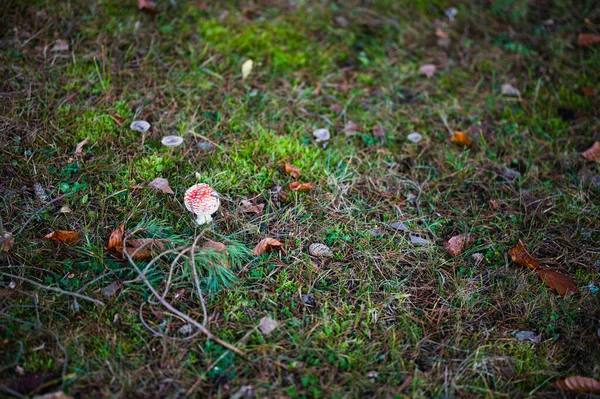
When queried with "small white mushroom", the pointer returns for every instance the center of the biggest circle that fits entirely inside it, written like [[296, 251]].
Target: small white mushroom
[[451, 13], [428, 70], [172, 141], [140, 126], [414, 137], [202, 200], [321, 135], [509, 90]]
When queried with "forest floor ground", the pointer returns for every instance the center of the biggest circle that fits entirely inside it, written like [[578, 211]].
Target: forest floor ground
[[390, 313]]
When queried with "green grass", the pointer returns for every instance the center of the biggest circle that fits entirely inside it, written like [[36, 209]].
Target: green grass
[[389, 319]]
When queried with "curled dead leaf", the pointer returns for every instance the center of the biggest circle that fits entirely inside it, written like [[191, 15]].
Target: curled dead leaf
[[63, 236], [457, 244], [461, 138], [7, 241], [578, 384], [162, 185], [218, 247], [147, 6], [251, 207], [351, 128], [292, 170], [151, 244], [589, 91], [588, 39], [297, 186], [563, 284], [267, 325], [337, 108], [116, 238], [135, 253], [592, 153], [79, 148], [520, 256], [268, 245], [140, 248], [378, 131], [441, 34]]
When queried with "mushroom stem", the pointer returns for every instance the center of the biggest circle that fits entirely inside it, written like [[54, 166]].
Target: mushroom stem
[[202, 218]]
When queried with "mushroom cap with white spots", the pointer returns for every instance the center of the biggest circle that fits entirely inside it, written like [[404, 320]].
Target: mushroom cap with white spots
[[172, 141], [201, 199]]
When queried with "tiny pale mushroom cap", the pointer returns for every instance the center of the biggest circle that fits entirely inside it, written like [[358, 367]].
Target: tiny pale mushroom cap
[[172, 141], [140, 126], [202, 200]]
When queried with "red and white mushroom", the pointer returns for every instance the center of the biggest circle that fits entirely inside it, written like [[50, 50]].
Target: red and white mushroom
[[202, 200]]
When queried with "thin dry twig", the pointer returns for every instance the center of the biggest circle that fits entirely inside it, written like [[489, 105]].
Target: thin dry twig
[[46, 205], [55, 289], [170, 278], [160, 333], [173, 310], [196, 279]]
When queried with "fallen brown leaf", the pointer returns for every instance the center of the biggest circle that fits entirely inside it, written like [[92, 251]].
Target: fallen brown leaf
[[578, 384], [588, 39], [116, 238], [337, 108], [520, 256], [441, 34], [63, 236], [147, 6], [563, 284], [268, 245], [378, 131], [457, 244], [351, 128], [139, 248], [461, 138], [162, 185], [151, 244], [218, 247], [297, 186], [317, 89], [592, 153], [79, 148], [251, 207], [267, 325], [292, 170], [135, 253], [590, 91], [7, 242]]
